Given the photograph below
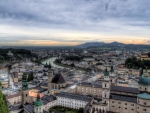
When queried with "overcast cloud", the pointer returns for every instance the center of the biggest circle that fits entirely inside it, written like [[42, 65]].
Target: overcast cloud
[[71, 20]]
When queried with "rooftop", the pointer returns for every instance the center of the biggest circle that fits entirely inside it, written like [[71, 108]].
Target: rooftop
[[144, 96], [74, 96], [124, 98], [124, 89], [58, 78], [91, 84]]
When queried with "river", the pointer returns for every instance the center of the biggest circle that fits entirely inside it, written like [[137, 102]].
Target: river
[[51, 60]]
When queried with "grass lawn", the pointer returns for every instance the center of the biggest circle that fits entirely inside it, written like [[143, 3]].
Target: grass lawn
[[65, 109]]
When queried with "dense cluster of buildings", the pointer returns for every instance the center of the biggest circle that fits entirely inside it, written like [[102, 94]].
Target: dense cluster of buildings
[[108, 88], [93, 97]]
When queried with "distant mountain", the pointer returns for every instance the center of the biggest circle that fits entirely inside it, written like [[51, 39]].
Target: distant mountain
[[91, 44], [115, 44]]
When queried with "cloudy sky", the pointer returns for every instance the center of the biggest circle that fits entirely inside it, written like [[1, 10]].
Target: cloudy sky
[[72, 22]]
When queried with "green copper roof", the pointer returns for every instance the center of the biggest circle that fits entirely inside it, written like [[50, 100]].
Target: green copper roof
[[38, 102], [145, 80], [144, 96], [24, 82], [106, 73], [111, 70]]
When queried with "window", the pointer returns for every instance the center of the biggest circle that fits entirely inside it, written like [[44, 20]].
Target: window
[[132, 104], [26, 95], [144, 103], [144, 109], [145, 89], [113, 102], [125, 103], [125, 108], [112, 106], [119, 102], [119, 107], [132, 109]]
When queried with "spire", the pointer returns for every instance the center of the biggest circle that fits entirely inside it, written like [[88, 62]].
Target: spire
[[49, 65], [106, 73], [112, 69], [38, 96], [24, 82], [38, 101]]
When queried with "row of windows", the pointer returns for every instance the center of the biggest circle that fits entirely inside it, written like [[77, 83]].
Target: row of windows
[[124, 108], [145, 88], [125, 103], [65, 100], [143, 109], [76, 107], [131, 109], [143, 103]]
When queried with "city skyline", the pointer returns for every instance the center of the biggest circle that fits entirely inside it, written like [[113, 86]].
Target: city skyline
[[73, 22]]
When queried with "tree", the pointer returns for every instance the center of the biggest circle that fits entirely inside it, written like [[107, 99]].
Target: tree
[[80, 110], [3, 103]]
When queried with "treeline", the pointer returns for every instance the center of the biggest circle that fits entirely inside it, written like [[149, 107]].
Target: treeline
[[17, 53], [137, 63], [3, 103], [75, 58]]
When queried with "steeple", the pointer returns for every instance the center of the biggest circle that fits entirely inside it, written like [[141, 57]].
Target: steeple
[[38, 101], [24, 82], [49, 65], [106, 73], [112, 70], [38, 104]]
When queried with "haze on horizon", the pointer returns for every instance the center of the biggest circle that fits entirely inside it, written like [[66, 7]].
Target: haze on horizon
[[72, 22]]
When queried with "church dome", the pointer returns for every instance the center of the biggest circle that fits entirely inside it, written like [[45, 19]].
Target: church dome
[[38, 102], [145, 79]]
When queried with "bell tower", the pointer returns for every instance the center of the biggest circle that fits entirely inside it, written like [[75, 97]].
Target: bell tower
[[25, 93], [106, 88], [50, 76], [38, 105], [112, 76]]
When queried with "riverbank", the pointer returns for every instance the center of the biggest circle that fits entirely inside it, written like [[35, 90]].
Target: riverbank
[[72, 67], [51, 61]]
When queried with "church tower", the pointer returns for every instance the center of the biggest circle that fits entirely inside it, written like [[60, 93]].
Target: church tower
[[50, 76], [112, 76], [25, 93], [106, 88], [38, 105]]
